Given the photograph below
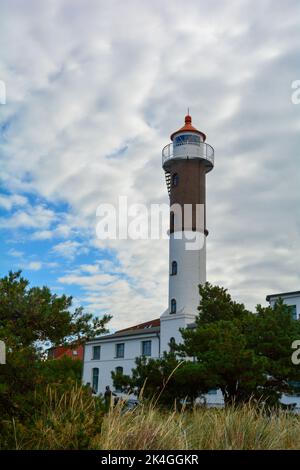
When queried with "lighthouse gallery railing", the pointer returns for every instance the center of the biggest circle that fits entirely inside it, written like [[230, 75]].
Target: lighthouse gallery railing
[[195, 150]]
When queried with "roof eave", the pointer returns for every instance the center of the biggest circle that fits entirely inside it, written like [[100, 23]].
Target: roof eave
[[148, 331], [195, 131], [282, 294]]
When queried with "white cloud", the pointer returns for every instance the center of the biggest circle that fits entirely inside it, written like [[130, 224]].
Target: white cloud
[[119, 294], [69, 249], [7, 202], [91, 82], [31, 217], [15, 253], [42, 235], [38, 265], [34, 265]]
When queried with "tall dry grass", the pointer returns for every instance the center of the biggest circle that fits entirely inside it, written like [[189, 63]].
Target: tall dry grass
[[244, 427], [145, 427], [76, 420], [66, 421]]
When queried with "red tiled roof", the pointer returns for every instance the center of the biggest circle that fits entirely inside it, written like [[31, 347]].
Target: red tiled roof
[[142, 326], [58, 352]]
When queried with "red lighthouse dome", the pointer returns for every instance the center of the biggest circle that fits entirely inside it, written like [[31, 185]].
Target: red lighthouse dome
[[188, 128]]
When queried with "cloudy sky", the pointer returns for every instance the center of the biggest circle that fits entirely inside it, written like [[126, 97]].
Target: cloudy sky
[[93, 91]]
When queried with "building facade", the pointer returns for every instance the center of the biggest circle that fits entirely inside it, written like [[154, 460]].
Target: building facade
[[117, 353]]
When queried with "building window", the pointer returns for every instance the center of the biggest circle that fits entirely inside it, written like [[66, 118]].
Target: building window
[[173, 306], [213, 391], [119, 371], [293, 309], [175, 179], [95, 379], [295, 388], [146, 348], [174, 268], [96, 353], [120, 347]]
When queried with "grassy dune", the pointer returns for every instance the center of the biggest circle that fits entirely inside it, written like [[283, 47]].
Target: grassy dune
[[77, 421]]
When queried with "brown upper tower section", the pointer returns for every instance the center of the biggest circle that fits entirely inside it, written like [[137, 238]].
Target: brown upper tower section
[[186, 161]]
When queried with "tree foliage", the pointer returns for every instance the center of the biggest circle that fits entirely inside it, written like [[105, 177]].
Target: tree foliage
[[30, 318], [166, 379], [249, 354], [246, 355]]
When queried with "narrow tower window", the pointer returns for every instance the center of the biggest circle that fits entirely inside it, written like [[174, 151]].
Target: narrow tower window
[[173, 306], [175, 179], [172, 221], [174, 268], [172, 344]]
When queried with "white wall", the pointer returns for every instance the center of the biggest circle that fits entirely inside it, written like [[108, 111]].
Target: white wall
[[183, 287], [108, 362], [169, 328]]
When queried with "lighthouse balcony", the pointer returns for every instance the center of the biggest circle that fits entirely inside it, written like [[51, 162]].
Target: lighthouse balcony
[[195, 150]]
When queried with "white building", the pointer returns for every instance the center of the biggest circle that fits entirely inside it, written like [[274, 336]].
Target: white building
[[117, 352], [293, 300]]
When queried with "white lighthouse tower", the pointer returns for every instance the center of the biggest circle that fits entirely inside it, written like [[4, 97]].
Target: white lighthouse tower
[[185, 160]]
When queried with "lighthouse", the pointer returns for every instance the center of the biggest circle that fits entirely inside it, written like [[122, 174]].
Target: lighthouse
[[185, 161]]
